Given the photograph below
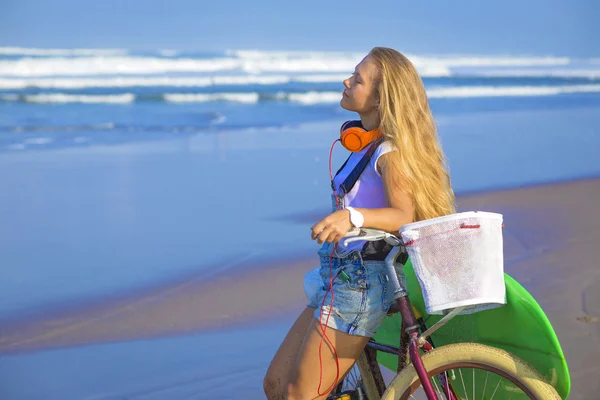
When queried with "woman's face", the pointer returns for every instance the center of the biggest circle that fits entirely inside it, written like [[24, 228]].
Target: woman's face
[[360, 95]]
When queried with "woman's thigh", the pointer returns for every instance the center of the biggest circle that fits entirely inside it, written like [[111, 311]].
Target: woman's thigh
[[325, 354], [278, 374]]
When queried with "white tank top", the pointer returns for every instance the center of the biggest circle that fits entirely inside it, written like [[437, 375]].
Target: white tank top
[[368, 191]]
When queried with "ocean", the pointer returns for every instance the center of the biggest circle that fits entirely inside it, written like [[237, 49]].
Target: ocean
[[73, 98]]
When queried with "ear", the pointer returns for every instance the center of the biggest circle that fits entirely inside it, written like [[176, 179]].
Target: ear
[[376, 98]]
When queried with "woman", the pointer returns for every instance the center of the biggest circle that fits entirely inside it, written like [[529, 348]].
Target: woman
[[405, 180]]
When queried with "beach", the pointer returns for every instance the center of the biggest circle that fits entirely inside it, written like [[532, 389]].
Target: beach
[[551, 233]]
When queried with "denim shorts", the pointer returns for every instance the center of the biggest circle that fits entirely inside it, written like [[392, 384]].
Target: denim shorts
[[362, 294]]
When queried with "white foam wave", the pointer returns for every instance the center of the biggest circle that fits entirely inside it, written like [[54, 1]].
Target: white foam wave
[[249, 98], [69, 98], [82, 83], [307, 98], [113, 62], [321, 78], [509, 91], [111, 66], [86, 66], [538, 73], [22, 51], [448, 60], [489, 61]]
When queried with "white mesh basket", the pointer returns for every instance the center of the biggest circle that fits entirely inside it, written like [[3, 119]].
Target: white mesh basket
[[458, 261]]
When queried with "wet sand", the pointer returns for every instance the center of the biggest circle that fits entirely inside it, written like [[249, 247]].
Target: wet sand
[[551, 238]]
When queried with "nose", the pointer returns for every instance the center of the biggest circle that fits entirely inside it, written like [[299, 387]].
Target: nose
[[347, 83]]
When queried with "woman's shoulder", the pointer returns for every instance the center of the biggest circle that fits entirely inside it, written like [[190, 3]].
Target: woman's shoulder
[[387, 145], [382, 148]]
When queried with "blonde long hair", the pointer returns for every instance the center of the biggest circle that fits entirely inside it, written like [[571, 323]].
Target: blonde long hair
[[406, 120]]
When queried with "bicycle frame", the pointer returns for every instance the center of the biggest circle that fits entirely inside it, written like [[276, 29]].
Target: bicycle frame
[[410, 342], [409, 336]]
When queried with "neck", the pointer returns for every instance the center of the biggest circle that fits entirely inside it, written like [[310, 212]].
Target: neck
[[370, 121]]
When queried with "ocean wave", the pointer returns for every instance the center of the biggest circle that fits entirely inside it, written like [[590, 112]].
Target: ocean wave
[[490, 61], [24, 51], [122, 82], [537, 73], [249, 98], [89, 62], [458, 92], [60, 98], [244, 80], [94, 66], [303, 98], [509, 91], [61, 66], [447, 60], [307, 98]]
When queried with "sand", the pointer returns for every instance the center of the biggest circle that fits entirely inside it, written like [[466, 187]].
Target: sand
[[551, 237]]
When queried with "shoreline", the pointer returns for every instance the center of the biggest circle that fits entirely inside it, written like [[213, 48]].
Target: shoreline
[[189, 304]]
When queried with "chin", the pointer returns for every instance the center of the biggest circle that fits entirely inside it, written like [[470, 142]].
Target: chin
[[343, 104]]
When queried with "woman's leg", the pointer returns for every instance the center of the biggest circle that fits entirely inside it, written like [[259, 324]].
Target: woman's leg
[[278, 374], [310, 368]]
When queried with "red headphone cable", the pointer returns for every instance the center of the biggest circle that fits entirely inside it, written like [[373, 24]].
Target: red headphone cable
[[330, 288]]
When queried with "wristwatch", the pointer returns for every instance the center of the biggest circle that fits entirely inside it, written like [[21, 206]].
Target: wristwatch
[[356, 218]]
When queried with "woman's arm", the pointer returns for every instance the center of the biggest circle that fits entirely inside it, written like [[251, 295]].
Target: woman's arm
[[399, 212]]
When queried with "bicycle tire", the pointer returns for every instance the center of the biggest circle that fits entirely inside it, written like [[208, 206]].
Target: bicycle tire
[[474, 356]]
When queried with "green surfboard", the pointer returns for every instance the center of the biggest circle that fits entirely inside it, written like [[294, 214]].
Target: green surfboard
[[520, 327]]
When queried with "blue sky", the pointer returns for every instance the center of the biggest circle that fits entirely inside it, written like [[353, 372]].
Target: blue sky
[[532, 27]]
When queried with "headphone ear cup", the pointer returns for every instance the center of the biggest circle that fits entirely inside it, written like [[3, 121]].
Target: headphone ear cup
[[351, 138]]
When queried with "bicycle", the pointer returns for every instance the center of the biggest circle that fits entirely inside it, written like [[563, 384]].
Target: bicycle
[[438, 373]]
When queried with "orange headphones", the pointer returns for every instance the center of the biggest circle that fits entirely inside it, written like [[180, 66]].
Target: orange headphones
[[355, 138]]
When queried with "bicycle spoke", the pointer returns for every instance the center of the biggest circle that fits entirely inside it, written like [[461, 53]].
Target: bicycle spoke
[[484, 385], [463, 383], [447, 383], [497, 386], [437, 389]]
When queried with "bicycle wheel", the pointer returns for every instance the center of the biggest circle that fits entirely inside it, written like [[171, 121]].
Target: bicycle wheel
[[358, 384], [475, 371]]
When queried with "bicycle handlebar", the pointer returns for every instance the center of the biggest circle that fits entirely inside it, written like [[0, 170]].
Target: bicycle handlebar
[[369, 234]]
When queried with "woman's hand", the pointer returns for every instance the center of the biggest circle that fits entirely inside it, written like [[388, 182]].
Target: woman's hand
[[332, 228]]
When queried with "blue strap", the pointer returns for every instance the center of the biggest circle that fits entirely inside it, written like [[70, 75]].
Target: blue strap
[[352, 178]]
